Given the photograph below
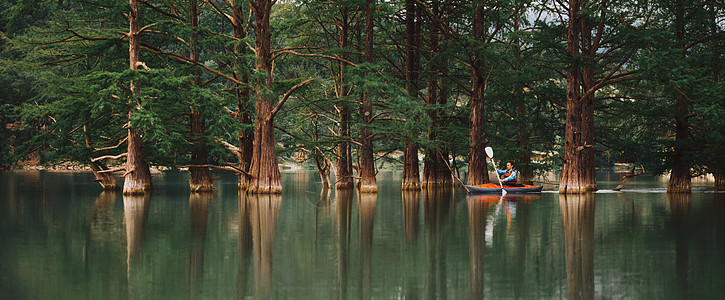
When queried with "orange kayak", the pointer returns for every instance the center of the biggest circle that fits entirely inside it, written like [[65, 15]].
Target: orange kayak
[[490, 188]]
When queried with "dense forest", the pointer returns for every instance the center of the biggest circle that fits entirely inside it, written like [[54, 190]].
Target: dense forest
[[353, 86]]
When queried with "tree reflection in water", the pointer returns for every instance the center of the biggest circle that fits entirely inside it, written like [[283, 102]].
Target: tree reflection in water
[[135, 211], [343, 211], [366, 205], [264, 212], [680, 207], [199, 210], [478, 207], [577, 216], [411, 209], [245, 244], [437, 205]]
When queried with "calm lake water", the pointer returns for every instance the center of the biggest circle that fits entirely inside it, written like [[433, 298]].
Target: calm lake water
[[61, 238]]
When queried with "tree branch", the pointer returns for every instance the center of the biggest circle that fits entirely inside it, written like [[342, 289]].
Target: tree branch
[[287, 95], [109, 157], [314, 55], [112, 147], [113, 170]]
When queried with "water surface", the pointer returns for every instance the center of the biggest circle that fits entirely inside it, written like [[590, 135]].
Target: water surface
[[62, 238]]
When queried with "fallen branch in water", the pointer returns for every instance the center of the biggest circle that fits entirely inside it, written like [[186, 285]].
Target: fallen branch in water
[[229, 168], [626, 177]]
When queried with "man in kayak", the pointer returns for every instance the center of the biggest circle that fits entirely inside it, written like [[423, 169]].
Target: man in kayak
[[509, 175]]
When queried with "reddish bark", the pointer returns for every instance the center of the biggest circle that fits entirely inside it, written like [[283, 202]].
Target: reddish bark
[[264, 169], [368, 183], [246, 135], [411, 176], [200, 180], [577, 174], [435, 171], [138, 177], [343, 170], [477, 168], [588, 171]]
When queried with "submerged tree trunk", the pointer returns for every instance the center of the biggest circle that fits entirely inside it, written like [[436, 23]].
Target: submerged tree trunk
[[264, 169], [343, 171], [246, 134], [588, 172], [368, 184], [411, 176], [719, 174], [200, 180], [574, 173], [477, 169], [680, 181], [435, 171], [138, 176]]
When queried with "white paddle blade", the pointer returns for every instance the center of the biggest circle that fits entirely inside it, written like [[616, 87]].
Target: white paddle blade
[[489, 152], [503, 192]]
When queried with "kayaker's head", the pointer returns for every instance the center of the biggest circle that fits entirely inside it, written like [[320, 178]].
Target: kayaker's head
[[509, 165]]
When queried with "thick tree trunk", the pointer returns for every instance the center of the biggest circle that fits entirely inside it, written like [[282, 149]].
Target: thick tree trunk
[[588, 171], [368, 184], [719, 163], [264, 169], [577, 218], [571, 181], [411, 176], [138, 176], [200, 180], [680, 181], [343, 171], [719, 174], [246, 134], [435, 172], [477, 169]]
